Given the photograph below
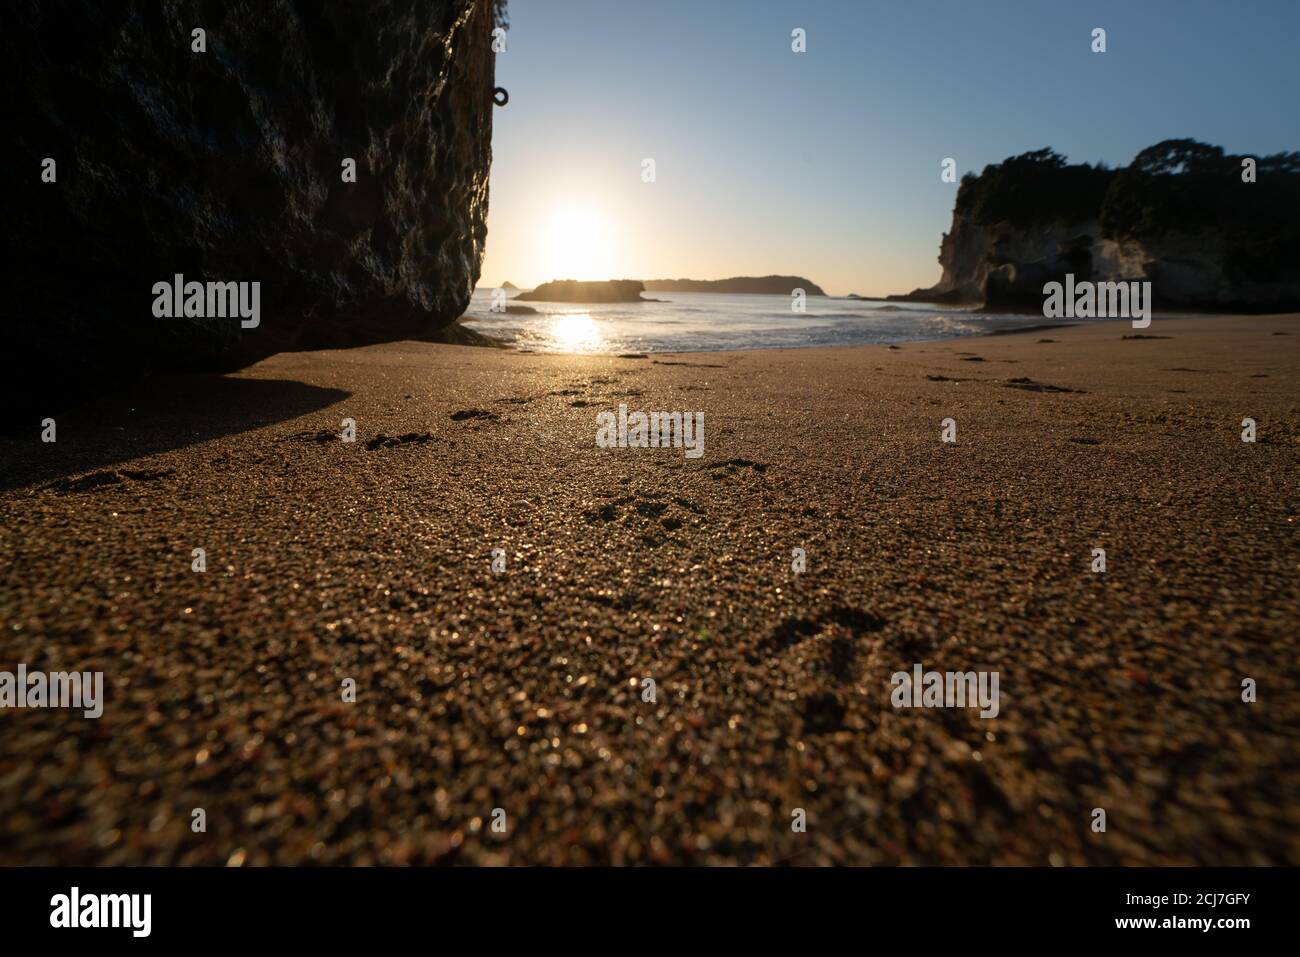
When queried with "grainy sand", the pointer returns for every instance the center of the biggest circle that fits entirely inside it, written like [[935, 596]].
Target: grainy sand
[[522, 690]]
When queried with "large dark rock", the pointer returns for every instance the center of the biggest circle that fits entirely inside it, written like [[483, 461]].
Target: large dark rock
[[761, 285], [226, 165], [572, 290], [1184, 216]]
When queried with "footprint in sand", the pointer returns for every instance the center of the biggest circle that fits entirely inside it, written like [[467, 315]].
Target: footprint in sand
[[653, 514], [730, 467], [829, 646], [795, 630], [98, 480], [1029, 385], [465, 414], [382, 441]]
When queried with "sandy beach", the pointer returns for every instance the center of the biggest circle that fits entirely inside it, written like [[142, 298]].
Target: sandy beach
[[523, 689]]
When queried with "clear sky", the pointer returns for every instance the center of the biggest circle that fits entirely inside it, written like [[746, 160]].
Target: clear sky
[[826, 164]]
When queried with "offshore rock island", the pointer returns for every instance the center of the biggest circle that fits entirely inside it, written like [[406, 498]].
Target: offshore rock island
[[629, 290], [762, 285], [573, 290]]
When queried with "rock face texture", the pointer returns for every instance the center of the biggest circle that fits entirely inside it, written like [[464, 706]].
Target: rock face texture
[[1208, 230], [1004, 263], [220, 156], [1005, 266]]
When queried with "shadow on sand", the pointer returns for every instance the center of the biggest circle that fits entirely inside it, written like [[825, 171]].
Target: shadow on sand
[[159, 415]]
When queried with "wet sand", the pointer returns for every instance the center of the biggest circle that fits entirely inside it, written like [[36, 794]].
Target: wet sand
[[522, 690]]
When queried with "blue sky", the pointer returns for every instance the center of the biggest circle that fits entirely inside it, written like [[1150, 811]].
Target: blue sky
[[826, 164]]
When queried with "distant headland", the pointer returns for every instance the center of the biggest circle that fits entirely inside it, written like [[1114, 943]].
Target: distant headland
[[762, 285]]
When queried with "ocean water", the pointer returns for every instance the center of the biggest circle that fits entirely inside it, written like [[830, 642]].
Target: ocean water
[[708, 322]]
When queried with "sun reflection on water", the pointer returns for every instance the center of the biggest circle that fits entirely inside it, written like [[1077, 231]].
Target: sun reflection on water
[[576, 332]]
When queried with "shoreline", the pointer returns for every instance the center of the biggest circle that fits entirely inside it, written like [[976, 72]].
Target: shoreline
[[1047, 324]]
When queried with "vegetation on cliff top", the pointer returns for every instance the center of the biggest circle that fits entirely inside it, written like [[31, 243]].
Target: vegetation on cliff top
[[1033, 189]]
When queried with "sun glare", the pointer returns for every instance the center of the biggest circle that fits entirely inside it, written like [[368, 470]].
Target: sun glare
[[575, 332], [576, 243]]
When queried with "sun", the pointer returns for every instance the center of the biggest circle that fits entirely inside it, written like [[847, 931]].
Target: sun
[[575, 242]]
